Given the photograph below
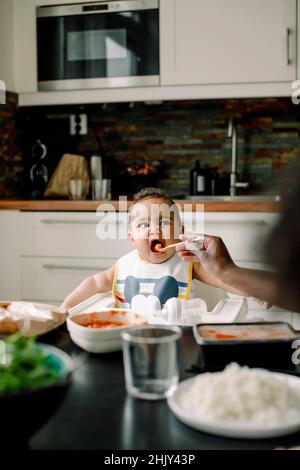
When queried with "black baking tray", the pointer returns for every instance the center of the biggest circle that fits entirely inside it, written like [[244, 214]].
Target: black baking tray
[[253, 350]]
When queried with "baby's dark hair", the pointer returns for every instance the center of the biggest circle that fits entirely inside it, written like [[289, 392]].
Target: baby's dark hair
[[157, 193], [147, 193]]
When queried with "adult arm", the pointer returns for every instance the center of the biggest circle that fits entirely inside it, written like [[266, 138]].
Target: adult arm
[[215, 266]]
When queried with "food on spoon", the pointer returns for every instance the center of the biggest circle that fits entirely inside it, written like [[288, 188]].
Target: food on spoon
[[156, 246]]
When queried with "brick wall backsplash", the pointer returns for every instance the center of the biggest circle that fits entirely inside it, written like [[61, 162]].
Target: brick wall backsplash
[[11, 163], [173, 134]]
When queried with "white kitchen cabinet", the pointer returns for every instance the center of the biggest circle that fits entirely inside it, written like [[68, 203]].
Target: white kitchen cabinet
[[10, 282], [51, 279], [244, 233], [57, 2], [6, 45], [24, 42], [60, 249], [232, 41], [25, 48], [233, 48], [73, 234]]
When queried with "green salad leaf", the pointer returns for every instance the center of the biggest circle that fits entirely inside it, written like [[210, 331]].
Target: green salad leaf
[[27, 366]]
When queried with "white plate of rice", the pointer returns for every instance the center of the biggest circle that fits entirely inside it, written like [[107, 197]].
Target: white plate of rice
[[239, 402]]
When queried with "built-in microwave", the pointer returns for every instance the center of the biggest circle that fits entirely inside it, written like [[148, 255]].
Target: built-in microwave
[[98, 45]]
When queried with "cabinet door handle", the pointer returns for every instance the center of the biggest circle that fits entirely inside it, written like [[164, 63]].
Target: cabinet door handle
[[288, 58], [242, 222], [78, 221], [68, 221], [72, 268]]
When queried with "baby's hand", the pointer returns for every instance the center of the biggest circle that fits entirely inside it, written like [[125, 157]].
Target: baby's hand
[[66, 306]]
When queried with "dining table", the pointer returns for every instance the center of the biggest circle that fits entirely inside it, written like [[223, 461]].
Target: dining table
[[97, 412]]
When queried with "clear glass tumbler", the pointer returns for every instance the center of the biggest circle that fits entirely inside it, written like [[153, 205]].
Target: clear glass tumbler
[[97, 189], [78, 189], [106, 189], [151, 361]]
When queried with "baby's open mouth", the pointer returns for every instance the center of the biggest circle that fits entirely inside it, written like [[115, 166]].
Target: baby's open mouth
[[156, 245]]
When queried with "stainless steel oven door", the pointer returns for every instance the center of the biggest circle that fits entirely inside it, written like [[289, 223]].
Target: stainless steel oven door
[[98, 45]]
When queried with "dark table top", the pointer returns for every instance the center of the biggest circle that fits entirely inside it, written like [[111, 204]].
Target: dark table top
[[97, 413]]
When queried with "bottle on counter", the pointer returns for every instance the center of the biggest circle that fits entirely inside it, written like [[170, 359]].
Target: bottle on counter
[[197, 179], [212, 181]]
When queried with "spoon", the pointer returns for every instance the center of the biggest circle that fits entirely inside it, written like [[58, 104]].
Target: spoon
[[165, 248]]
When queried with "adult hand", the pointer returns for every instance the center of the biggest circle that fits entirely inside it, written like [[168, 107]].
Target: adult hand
[[216, 268], [211, 252]]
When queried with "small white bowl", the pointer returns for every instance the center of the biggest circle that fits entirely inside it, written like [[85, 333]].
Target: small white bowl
[[101, 340]]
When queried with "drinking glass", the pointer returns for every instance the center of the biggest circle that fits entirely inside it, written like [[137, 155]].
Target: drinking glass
[[151, 361], [78, 189], [97, 189], [106, 189]]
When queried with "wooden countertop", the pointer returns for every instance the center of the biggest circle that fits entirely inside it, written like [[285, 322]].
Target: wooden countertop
[[86, 206]]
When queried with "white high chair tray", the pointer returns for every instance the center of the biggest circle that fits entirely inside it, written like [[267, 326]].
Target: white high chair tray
[[227, 310], [93, 303]]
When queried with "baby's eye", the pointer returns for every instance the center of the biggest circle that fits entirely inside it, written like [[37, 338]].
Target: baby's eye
[[143, 225]]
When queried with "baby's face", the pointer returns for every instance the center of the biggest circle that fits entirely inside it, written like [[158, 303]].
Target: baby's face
[[153, 222]]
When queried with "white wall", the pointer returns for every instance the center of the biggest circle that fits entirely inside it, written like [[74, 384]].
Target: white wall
[[6, 44]]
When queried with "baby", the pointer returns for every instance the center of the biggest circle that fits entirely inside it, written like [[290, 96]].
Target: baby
[[154, 223]]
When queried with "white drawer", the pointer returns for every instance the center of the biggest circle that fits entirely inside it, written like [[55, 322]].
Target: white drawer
[[51, 279], [243, 233], [74, 234]]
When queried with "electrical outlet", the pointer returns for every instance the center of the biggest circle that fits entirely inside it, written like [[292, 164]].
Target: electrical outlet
[[78, 124]]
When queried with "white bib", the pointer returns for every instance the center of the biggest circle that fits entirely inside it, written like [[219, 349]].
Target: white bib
[[133, 276]]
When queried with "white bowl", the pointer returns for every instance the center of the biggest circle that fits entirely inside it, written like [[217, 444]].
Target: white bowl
[[100, 340]]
